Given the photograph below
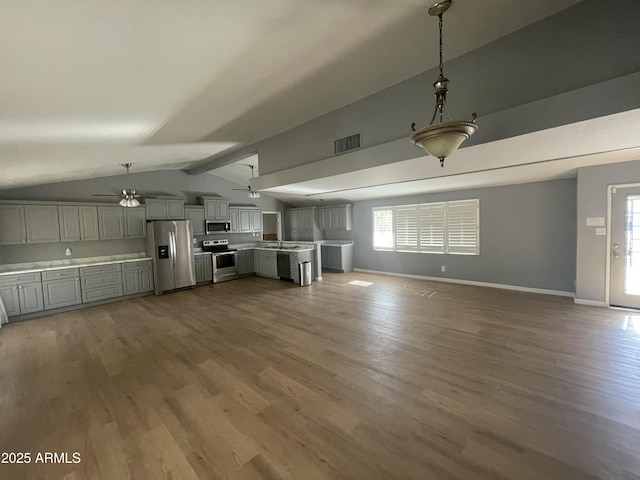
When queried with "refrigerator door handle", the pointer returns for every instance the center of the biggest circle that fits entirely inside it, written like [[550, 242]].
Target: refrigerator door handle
[[172, 242], [174, 236]]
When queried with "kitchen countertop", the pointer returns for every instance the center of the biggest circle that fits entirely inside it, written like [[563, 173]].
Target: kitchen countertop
[[273, 246], [46, 265]]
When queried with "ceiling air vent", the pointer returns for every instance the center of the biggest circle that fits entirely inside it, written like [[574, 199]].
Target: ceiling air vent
[[346, 144]]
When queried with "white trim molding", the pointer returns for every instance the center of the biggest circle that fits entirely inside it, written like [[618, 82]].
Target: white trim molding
[[543, 291], [592, 303]]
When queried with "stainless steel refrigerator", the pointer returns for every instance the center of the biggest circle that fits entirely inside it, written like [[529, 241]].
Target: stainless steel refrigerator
[[170, 245]]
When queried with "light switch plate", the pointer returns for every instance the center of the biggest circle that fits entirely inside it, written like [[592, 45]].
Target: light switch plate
[[595, 221]]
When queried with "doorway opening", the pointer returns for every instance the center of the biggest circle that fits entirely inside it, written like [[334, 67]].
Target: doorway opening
[[271, 226]]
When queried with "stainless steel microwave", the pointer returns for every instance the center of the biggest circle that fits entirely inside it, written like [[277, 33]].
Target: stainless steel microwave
[[216, 226]]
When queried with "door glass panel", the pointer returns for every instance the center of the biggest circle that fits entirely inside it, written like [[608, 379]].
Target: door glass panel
[[632, 246]]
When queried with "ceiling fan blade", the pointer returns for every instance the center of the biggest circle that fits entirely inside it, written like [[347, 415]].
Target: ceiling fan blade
[[106, 195]]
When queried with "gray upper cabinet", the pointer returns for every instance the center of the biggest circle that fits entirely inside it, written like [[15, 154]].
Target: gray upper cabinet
[[135, 222], [165, 209], [234, 214], [42, 223], [256, 220], [69, 219], [196, 215], [301, 224], [216, 208], [12, 226], [111, 223], [245, 219], [78, 223], [175, 209], [336, 217], [88, 222], [156, 209]]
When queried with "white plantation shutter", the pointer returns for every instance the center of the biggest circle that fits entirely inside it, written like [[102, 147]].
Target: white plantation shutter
[[407, 227], [383, 228], [462, 226], [431, 221], [439, 227]]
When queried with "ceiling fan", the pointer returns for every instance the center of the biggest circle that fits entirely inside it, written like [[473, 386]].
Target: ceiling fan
[[252, 193], [129, 196]]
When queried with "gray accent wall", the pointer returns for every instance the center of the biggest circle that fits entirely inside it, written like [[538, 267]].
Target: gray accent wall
[[592, 194], [582, 63], [527, 237]]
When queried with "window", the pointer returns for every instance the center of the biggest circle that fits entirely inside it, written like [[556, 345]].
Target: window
[[440, 227]]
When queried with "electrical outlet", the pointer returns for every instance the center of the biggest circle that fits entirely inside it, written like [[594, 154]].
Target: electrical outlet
[[443, 268], [67, 252]]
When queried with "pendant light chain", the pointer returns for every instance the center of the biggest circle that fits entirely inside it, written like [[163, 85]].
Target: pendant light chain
[[441, 63]]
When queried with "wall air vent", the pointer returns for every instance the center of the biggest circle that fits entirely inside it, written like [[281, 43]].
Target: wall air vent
[[346, 144]]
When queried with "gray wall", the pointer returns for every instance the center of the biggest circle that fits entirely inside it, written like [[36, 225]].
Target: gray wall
[[527, 237], [166, 182], [592, 252], [578, 64], [55, 251]]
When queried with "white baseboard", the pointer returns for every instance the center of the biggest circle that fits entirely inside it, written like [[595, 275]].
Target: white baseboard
[[544, 291], [593, 303]]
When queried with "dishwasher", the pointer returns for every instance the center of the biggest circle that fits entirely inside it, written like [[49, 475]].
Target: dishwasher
[[284, 267]]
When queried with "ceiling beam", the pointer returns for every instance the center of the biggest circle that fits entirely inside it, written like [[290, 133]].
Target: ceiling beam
[[216, 161]]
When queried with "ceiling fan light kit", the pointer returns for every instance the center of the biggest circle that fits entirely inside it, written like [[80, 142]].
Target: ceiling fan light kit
[[442, 139], [252, 192]]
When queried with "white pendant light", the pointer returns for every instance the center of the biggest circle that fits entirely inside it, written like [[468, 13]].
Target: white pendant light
[[443, 138]]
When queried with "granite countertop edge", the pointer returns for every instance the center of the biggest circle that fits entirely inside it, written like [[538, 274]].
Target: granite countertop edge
[[47, 265]]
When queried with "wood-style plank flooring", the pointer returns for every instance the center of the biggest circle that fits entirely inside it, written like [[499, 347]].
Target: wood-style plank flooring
[[261, 379]]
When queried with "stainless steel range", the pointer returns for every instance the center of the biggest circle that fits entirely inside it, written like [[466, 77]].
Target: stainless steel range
[[225, 265]]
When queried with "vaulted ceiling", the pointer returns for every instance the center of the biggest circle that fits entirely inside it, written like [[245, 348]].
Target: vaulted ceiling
[[86, 86]]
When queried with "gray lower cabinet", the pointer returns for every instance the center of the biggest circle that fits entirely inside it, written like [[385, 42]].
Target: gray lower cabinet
[[61, 288], [204, 268], [337, 258], [267, 263], [101, 282], [137, 277], [21, 293], [10, 299], [295, 258], [245, 262]]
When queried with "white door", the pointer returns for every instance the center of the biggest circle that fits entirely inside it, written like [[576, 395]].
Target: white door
[[625, 247]]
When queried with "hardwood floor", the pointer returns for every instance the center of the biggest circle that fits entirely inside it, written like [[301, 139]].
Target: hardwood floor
[[260, 379]]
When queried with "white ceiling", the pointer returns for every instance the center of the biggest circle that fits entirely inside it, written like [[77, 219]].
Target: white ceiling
[[86, 86]]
